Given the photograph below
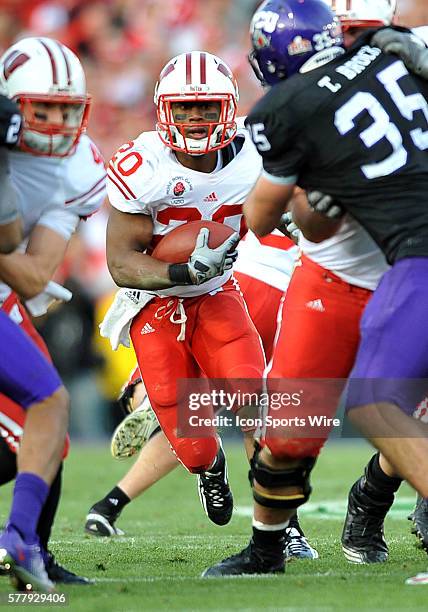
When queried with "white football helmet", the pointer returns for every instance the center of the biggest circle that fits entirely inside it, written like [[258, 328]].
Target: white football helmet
[[42, 70], [363, 13], [197, 76]]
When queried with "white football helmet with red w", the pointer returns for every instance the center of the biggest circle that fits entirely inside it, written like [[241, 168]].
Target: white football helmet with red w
[[363, 13], [196, 76], [37, 73]]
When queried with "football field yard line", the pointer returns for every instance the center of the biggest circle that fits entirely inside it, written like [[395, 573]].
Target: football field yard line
[[314, 575], [334, 509]]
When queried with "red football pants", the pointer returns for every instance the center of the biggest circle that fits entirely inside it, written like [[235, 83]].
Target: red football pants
[[12, 416], [220, 342], [318, 338], [263, 303]]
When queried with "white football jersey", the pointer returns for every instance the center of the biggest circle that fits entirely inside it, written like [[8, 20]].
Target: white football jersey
[[146, 178], [270, 259], [421, 32], [57, 192]]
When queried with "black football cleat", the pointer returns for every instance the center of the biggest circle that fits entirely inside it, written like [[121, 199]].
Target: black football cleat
[[59, 574], [248, 562], [363, 538], [214, 491], [419, 518], [100, 521]]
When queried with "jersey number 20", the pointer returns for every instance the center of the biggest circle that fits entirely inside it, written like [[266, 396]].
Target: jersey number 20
[[382, 126]]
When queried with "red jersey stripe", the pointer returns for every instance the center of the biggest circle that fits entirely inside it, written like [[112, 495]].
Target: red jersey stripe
[[118, 187], [82, 195], [120, 179]]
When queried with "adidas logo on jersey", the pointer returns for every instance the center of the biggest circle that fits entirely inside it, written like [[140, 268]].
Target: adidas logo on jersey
[[211, 198], [147, 329], [113, 500], [316, 305]]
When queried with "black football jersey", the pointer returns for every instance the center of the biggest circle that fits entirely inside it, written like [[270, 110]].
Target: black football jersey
[[10, 122], [356, 129]]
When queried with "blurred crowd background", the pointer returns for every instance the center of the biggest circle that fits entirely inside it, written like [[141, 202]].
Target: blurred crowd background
[[123, 44]]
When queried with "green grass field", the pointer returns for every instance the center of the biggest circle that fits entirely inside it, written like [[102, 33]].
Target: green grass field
[[169, 541]]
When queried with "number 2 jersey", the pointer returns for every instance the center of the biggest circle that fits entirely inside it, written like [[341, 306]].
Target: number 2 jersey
[[357, 129], [144, 177]]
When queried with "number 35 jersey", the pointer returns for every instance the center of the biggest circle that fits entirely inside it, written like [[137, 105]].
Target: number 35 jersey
[[144, 177], [357, 129]]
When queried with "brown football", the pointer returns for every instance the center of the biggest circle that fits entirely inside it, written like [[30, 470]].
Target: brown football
[[179, 243]]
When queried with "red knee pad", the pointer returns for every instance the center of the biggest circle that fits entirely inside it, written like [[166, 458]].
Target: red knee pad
[[196, 454], [295, 448]]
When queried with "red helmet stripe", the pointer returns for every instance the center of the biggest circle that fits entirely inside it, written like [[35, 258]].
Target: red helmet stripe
[[203, 68], [67, 64], [13, 61], [53, 63], [166, 71], [224, 70], [188, 68]]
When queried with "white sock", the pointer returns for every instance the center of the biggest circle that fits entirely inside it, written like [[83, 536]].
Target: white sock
[[264, 527]]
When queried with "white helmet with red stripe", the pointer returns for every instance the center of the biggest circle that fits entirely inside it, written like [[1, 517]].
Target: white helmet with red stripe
[[363, 13], [38, 73], [197, 76]]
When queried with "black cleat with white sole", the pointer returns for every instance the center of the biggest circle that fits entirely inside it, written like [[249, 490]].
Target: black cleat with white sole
[[363, 539], [249, 561], [214, 491], [101, 522]]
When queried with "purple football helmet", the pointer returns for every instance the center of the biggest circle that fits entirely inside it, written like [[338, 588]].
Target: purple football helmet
[[286, 33]]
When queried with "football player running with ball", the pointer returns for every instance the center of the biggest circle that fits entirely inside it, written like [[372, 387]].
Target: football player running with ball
[[263, 270], [187, 320]]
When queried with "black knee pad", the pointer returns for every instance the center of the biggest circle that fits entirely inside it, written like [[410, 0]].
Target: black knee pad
[[269, 478]]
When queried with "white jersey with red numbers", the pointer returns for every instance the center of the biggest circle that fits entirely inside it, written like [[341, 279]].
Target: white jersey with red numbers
[[57, 192], [146, 178], [351, 254], [270, 259]]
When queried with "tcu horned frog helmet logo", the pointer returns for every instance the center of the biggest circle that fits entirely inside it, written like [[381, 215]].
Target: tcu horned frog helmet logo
[[196, 77], [47, 81]]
